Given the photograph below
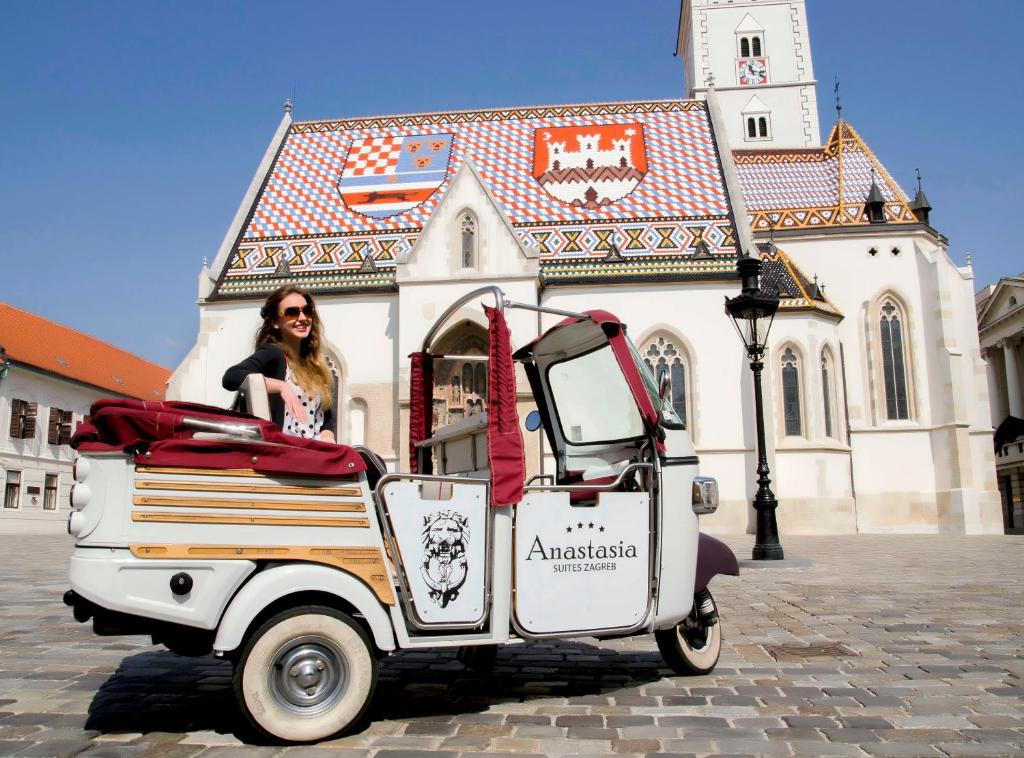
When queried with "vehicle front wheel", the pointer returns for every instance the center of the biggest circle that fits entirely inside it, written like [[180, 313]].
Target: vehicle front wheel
[[692, 646], [306, 674]]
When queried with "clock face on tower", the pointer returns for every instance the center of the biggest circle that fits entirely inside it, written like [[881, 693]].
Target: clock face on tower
[[752, 71]]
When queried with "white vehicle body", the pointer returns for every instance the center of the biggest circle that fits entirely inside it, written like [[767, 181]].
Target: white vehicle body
[[230, 560]]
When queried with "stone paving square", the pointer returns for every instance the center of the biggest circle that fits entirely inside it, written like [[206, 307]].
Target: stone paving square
[[883, 646]]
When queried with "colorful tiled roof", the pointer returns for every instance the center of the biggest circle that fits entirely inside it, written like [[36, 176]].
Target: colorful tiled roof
[[815, 187], [34, 341], [796, 292], [345, 199]]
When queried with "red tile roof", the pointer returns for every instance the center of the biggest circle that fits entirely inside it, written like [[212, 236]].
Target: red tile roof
[[34, 341]]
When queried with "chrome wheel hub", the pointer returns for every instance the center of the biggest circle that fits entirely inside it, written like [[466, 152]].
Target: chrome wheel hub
[[308, 675]]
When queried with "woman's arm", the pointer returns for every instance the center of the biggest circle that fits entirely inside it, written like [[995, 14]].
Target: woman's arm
[[267, 360]]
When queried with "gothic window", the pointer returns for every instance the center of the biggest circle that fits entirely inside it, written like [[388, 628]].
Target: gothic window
[[827, 375], [894, 371], [762, 126], [791, 393], [745, 47], [751, 127], [664, 358], [755, 44], [467, 227]]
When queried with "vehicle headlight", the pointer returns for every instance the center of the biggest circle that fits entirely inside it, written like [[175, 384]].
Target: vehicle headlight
[[80, 469], [80, 496]]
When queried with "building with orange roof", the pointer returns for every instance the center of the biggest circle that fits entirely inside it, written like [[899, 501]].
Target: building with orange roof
[[876, 407], [49, 377]]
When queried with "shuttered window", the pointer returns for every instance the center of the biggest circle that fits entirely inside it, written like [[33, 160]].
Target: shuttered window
[[58, 429], [23, 420]]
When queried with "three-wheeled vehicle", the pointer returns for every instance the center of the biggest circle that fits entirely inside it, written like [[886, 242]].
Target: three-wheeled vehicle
[[305, 562]]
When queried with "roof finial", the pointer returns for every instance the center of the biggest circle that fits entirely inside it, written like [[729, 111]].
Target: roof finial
[[771, 238], [839, 105], [920, 207], [288, 105], [970, 260], [710, 80], [918, 172]]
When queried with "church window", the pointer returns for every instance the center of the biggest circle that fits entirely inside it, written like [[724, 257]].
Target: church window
[[468, 232], [1013, 301], [791, 393], [891, 325], [664, 358], [751, 127], [827, 375], [755, 44], [762, 126], [744, 47]]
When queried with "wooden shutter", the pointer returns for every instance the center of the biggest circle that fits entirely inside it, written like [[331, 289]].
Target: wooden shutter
[[53, 427], [66, 422], [31, 409], [17, 412]]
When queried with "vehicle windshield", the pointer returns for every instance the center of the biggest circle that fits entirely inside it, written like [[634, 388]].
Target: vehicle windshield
[[592, 400], [668, 414]]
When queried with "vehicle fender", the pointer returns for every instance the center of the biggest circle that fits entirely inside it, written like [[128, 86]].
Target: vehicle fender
[[275, 583], [713, 557]]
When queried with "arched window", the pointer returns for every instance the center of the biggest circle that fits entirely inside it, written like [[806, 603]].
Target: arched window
[[762, 126], [745, 47], [791, 393], [894, 362], [827, 391], [664, 358], [756, 46], [751, 128], [467, 227]]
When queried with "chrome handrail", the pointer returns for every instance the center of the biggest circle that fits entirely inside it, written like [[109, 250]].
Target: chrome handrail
[[499, 299], [589, 487]]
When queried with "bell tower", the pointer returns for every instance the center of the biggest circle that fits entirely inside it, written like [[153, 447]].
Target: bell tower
[[757, 53]]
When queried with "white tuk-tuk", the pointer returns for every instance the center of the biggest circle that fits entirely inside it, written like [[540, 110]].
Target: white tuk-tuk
[[305, 562]]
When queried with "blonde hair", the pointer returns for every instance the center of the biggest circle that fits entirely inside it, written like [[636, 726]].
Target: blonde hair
[[308, 367]]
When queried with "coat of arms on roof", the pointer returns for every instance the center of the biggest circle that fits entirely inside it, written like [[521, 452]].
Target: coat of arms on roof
[[590, 166], [385, 176]]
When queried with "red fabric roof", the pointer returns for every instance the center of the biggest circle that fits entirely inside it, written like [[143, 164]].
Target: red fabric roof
[[34, 341]]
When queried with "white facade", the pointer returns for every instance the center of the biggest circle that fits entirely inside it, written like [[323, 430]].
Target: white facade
[[29, 465], [1001, 332], [758, 56]]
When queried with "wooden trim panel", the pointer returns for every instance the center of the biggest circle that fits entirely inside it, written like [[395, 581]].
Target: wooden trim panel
[[260, 489], [248, 472], [270, 505], [366, 563], [218, 518]]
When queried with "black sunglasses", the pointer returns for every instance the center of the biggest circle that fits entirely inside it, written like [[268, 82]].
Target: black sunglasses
[[294, 311]]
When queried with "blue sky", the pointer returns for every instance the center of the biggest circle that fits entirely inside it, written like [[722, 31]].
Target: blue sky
[[130, 130]]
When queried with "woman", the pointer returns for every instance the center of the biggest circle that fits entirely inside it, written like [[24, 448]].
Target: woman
[[288, 355]]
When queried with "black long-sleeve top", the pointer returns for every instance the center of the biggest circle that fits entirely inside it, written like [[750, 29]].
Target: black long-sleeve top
[[268, 360]]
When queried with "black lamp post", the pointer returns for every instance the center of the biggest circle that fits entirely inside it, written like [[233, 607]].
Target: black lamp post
[[752, 313]]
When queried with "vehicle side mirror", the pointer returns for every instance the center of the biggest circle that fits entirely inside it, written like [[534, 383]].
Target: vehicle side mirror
[[533, 421], [663, 386]]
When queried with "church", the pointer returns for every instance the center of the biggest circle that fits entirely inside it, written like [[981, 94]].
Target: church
[[876, 397]]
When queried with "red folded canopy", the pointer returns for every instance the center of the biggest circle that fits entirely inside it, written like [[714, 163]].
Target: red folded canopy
[[158, 434], [504, 438], [421, 407]]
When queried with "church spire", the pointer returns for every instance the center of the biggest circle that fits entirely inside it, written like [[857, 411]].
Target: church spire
[[920, 207]]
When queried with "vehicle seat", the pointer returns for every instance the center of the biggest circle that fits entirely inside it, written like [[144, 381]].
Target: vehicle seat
[[375, 466]]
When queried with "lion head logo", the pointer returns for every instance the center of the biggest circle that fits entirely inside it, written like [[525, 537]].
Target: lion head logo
[[445, 536]]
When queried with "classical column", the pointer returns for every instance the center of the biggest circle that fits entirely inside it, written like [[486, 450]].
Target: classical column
[[995, 397], [1013, 389]]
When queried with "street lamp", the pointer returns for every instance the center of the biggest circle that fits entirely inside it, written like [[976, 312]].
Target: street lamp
[[752, 313]]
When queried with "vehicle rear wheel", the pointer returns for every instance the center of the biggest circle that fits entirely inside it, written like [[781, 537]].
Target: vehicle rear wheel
[[692, 646], [305, 674]]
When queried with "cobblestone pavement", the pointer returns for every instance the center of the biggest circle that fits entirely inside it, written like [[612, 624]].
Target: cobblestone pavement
[[931, 629]]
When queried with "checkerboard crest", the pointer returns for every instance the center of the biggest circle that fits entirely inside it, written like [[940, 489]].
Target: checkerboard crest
[[386, 176]]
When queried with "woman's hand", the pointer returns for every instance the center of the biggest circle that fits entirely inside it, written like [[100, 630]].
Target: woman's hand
[[327, 435], [291, 400]]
